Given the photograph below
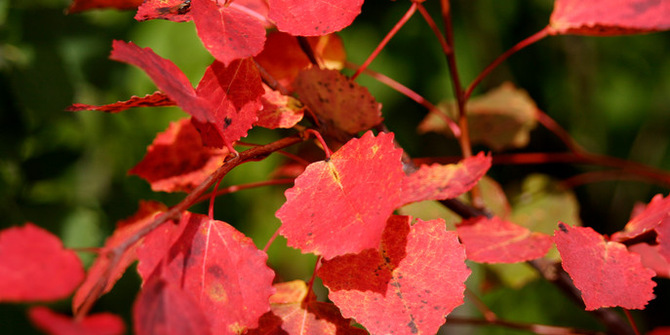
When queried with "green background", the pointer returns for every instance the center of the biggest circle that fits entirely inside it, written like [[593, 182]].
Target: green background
[[67, 171]]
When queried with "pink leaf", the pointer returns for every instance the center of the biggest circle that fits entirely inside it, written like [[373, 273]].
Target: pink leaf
[[157, 99], [313, 18], [57, 324]]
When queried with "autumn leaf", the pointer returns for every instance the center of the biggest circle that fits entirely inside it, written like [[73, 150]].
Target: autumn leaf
[[606, 273], [235, 92], [651, 219], [498, 241], [343, 107], [283, 58], [607, 17], [279, 111], [156, 99], [439, 182], [177, 160], [227, 32], [84, 5], [57, 324], [290, 313], [166, 76], [104, 272], [407, 286], [652, 259], [173, 10], [501, 119], [28, 255], [216, 265], [313, 18], [162, 308], [341, 205]]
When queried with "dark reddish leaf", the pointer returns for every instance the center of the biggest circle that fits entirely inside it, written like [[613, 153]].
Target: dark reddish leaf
[[235, 91], [497, 241], [177, 160], [216, 265], [439, 182], [28, 255], [408, 286], [341, 105], [654, 218], [502, 118], [163, 309], [341, 205], [313, 18], [606, 273], [156, 99], [57, 324], [167, 77], [227, 32], [652, 259], [283, 58], [83, 5], [173, 10], [660, 331], [104, 273], [279, 111], [609, 17]]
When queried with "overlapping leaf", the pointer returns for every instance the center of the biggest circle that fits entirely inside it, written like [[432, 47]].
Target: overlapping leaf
[[343, 107], [84, 5], [652, 259], [290, 313], [313, 18], [156, 99], [439, 182], [652, 219], [216, 265], [104, 272], [279, 111], [173, 10], [227, 32], [162, 308], [606, 273], [502, 118], [608, 17], [177, 160], [498, 241], [57, 324], [28, 255], [408, 286], [341, 205]]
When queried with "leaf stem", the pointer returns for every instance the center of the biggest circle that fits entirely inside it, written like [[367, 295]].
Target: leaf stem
[[631, 321], [240, 187], [386, 39], [316, 134], [426, 16], [210, 212], [535, 328]]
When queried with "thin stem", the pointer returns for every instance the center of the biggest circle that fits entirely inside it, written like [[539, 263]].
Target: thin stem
[[316, 134], [235, 188], [211, 200], [528, 41], [269, 80], [386, 39], [488, 314], [560, 132], [631, 321], [426, 16], [406, 91], [307, 49], [272, 239], [535, 328], [310, 284], [281, 152]]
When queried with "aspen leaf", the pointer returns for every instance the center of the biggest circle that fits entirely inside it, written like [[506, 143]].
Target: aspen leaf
[[57, 324], [173, 10], [279, 111], [606, 273], [652, 259], [156, 99], [28, 255], [407, 286], [340, 206], [313, 18], [607, 17], [652, 218]]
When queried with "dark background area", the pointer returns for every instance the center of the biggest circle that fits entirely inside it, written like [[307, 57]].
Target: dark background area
[[66, 171]]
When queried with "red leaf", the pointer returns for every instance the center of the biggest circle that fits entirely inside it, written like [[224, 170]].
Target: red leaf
[[214, 264], [177, 160], [605, 272], [283, 58], [407, 286], [498, 241], [341, 205], [28, 255], [279, 111], [439, 182], [340, 104], [654, 218], [167, 77], [313, 18], [173, 10], [227, 32], [156, 99], [652, 259], [104, 273], [163, 309], [235, 91], [608, 17], [660, 331], [83, 5], [57, 324]]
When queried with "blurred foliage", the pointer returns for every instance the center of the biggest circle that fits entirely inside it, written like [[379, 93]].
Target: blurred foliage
[[67, 171]]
